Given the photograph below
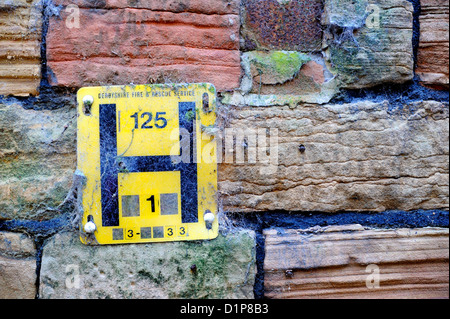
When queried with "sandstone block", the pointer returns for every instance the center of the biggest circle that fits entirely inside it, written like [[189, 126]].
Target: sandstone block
[[282, 25], [37, 160], [20, 51], [362, 156], [156, 41], [353, 262], [17, 266], [369, 42], [223, 268], [16, 245], [282, 78], [195, 6], [433, 63]]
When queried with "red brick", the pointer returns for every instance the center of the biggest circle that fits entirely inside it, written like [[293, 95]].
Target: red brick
[[129, 45]]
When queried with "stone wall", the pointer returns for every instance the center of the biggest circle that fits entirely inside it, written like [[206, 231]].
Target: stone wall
[[350, 96]]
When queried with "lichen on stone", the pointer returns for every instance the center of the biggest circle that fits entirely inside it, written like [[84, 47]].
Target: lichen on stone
[[276, 67]]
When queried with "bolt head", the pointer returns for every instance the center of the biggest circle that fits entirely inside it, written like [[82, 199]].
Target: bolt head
[[90, 228], [88, 100], [209, 217]]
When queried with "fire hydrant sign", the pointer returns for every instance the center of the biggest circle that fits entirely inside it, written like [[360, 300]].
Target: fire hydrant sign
[[150, 167]]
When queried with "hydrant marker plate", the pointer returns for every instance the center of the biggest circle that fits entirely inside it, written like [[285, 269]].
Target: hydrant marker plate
[[151, 172]]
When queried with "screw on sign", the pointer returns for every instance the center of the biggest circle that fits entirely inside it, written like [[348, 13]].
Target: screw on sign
[[143, 184]]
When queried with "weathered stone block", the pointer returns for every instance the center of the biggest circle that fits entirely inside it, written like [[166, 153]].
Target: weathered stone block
[[433, 62], [17, 266], [37, 160], [16, 245], [292, 25], [20, 51], [365, 43], [369, 42], [354, 262], [282, 78], [362, 156], [151, 41], [222, 268], [176, 6]]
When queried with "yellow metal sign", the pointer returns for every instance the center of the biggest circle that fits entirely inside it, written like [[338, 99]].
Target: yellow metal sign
[[151, 171]]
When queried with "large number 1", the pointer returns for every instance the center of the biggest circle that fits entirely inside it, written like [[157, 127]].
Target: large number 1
[[152, 199]]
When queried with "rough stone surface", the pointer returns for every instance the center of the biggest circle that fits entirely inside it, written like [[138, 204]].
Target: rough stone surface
[[37, 160], [282, 78], [16, 245], [357, 157], [275, 67], [148, 42], [369, 42], [281, 25], [433, 62], [365, 43], [17, 266], [224, 268], [20, 51], [195, 6], [342, 262]]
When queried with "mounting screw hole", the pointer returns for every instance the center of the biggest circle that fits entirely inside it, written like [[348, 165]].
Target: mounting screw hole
[[206, 106], [88, 101]]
